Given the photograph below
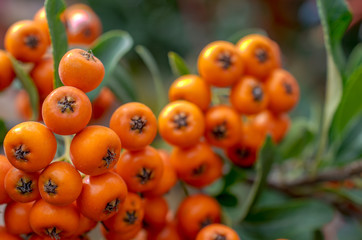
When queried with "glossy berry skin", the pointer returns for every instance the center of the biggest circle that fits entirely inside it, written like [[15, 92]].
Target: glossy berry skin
[[242, 155], [43, 76], [260, 54], [141, 170], [7, 73], [4, 234], [276, 125], [168, 178], [135, 124], [156, 210], [5, 166], [26, 41], [16, 217], [248, 96], [283, 90], [57, 222], [83, 26], [198, 166], [181, 123], [223, 126], [30, 146], [60, 184], [22, 186], [196, 212], [102, 103], [81, 69], [129, 217], [220, 64], [217, 231], [95, 150], [102, 196], [191, 88], [66, 110]]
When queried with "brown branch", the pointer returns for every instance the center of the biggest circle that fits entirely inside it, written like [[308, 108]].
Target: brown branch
[[353, 169]]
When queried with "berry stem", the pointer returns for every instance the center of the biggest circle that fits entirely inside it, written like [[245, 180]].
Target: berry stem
[[66, 155]]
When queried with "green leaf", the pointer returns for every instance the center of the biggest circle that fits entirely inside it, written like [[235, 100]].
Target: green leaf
[[28, 85], [178, 65], [354, 61], [335, 18], [267, 155], [299, 136], [150, 62], [242, 33], [3, 130], [351, 229], [350, 105], [227, 199], [110, 48], [354, 195], [58, 35], [121, 84], [297, 220]]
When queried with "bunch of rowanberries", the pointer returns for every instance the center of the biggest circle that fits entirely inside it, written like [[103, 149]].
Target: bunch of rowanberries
[[257, 100], [95, 180]]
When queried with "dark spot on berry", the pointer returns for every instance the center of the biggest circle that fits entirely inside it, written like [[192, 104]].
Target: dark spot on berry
[[20, 153], [109, 158], [207, 221], [130, 217], [199, 170], [66, 104], [145, 175], [24, 186], [242, 153], [220, 237], [32, 41], [288, 88], [53, 233], [137, 124], [219, 131], [112, 206], [87, 32], [88, 55], [257, 93], [261, 55], [225, 60], [180, 120], [50, 187]]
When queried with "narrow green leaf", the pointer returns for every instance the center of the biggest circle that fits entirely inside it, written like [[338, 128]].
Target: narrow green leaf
[[350, 105], [297, 220], [335, 18], [267, 155], [58, 35], [122, 76], [150, 62], [178, 65], [28, 85], [110, 48], [354, 195], [242, 33], [354, 61], [3, 130]]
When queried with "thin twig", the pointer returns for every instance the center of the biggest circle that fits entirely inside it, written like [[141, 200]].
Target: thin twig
[[353, 169]]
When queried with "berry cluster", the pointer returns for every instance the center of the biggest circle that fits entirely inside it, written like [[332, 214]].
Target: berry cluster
[[95, 180], [260, 95]]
